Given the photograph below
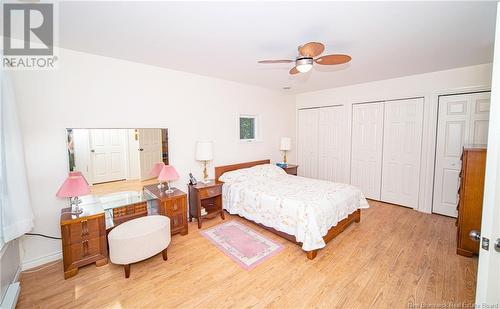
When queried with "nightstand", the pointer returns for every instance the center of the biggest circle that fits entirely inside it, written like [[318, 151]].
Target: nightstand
[[172, 205], [208, 196], [291, 169], [83, 239]]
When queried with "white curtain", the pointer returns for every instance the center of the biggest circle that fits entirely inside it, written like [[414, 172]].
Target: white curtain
[[16, 213]]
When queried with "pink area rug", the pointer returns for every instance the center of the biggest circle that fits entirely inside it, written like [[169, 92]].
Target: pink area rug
[[242, 244]]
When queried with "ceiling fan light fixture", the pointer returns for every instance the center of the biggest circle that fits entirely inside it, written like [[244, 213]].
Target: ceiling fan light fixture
[[304, 65]]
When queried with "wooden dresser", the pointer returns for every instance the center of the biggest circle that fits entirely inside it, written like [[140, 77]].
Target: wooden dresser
[[470, 203], [83, 240], [172, 205]]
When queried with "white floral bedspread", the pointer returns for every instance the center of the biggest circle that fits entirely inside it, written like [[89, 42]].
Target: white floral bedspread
[[304, 207]]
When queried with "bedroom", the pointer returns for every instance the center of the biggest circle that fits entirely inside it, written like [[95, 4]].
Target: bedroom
[[193, 69]]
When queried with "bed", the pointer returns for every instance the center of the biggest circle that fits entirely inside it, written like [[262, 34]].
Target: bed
[[306, 211]]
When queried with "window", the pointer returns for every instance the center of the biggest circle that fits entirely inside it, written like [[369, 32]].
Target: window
[[248, 127]]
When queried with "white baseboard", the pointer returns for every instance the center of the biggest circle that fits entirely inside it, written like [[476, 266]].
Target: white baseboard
[[10, 299], [28, 264]]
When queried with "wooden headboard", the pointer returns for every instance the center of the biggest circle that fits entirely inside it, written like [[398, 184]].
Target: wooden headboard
[[219, 170]]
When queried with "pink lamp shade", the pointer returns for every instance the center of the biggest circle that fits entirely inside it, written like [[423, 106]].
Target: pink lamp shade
[[78, 173], [73, 186], [168, 173], [156, 169]]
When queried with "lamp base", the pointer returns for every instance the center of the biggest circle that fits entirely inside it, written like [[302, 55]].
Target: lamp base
[[75, 208]]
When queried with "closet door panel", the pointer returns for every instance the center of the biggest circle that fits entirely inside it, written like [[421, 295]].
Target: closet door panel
[[308, 143], [331, 144], [401, 151], [366, 148]]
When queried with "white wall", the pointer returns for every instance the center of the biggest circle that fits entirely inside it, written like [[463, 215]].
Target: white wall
[[428, 85], [94, 91]]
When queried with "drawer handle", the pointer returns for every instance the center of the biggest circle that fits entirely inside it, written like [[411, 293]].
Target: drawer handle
[[85, 244], [175, 206], [85, 228], [175, 221]]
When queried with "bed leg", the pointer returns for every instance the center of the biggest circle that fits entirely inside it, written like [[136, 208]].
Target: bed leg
[[357, 216], [312, 254]]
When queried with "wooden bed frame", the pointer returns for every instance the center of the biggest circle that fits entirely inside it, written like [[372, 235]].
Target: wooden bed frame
[[332, 232]]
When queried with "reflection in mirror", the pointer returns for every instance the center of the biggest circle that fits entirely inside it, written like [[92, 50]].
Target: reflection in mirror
[[116, 159]]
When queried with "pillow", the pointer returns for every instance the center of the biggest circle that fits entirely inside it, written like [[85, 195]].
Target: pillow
[[264, 170], [267, 170], [234, 176]]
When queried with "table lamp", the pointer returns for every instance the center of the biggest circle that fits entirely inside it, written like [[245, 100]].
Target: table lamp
[[285, 145], [75, 185], [78, 173], [155, 172], [167, 174], [204, 153]]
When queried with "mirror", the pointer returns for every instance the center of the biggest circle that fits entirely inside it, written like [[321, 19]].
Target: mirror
[[116, 159]]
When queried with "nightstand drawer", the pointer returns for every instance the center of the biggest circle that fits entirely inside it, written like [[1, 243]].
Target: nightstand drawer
[[210, 192], [84, 230]]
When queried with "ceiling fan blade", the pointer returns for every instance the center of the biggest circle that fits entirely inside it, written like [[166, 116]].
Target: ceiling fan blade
[[333, 59], [311, 49], [294, 71], [275, 61]]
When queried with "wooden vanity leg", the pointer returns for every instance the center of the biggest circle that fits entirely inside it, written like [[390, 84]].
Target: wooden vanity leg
[[222, 215], [70, 273], [164, 254], [312, 254], [101, 262], [127, 270]]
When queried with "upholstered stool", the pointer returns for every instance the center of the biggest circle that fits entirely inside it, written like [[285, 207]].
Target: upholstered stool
[[139, 239]]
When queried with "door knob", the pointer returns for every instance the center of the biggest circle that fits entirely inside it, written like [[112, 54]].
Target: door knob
[[92, 150], [475, 235], [497, 245], [141, 149]]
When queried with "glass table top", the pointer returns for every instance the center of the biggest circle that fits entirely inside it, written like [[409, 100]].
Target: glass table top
[[96, 204], [115, 200]]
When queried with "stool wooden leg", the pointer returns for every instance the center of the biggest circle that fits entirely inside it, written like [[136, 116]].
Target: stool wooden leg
[[127, 270], [164, 254]]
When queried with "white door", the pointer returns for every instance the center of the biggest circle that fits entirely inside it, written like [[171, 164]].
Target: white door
[[462, 119], [150, 150], [331, 144], [488, 275], [308, 143], [366, 148], [108, 159], [401, 151]]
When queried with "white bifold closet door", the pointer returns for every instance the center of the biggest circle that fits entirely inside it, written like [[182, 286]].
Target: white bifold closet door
[[321, 143], [401, 151], [462, 119], [308, 143], [366, 147], [331, 144]]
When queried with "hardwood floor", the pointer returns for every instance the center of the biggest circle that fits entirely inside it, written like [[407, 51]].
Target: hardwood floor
[[394, 257]]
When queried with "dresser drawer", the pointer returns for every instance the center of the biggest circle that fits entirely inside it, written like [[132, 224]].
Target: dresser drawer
[[178, 222], [175, 206], [210, 192], [86, 249], [84, 230]]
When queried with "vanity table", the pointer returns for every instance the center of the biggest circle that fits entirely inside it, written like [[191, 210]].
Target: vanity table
[[84, 236]]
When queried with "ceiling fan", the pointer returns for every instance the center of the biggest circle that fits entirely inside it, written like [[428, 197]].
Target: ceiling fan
[[305, 60]]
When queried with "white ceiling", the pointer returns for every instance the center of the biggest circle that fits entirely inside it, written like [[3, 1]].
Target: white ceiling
[[225, 40]]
